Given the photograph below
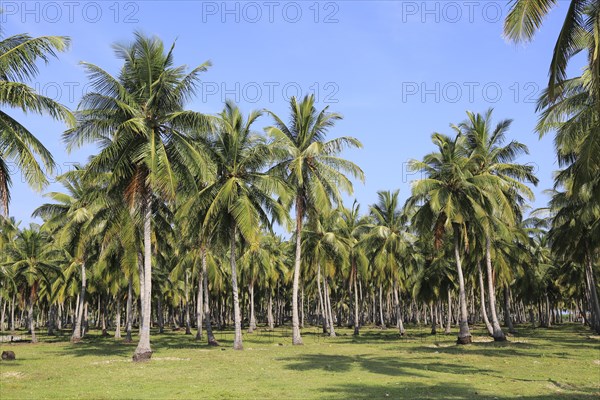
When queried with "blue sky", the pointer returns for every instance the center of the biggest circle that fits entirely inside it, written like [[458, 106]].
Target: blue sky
[[396, 70]]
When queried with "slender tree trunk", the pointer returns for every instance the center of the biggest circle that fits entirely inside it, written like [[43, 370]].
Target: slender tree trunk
[[355, 279], [199, 305], [399, 322], [329, 311], [296, 338], [301, 306], [449, 316], [381, 307], [464, 335], [323, 311], [143, 352], [237, 343], [3, 315], [270, 320], [160, 314], [593, 293], [103, 316], [118, 317], [77, 332], [128, 311], [31, 321], [507, 319], [497, 333], [489, 327], [12, 313], [188, 319], [252, 322], [208, 323]]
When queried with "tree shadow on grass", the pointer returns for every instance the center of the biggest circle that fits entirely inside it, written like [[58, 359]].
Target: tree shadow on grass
[[390, 366], [444, 391]]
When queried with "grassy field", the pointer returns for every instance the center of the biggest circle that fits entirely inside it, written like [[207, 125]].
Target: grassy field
[[563, 363]]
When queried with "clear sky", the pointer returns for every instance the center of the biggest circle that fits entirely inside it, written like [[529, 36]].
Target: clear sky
[[397, 70]]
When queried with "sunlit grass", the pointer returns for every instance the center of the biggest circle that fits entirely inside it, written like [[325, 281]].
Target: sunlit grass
[[563, 362]]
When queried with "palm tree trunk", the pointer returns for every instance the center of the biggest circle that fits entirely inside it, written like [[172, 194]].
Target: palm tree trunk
[[399, 322], [355, 278], [160, 314], [199, 306], [3, 315], [188, 319], [497, 333], [486, 321], [323, 312], [296, 338], [128, 311], [593, 293], [12, 313], [208, 324], [464, 335], [118, 318], [252, 324], [270, 319], [237, 343], [77, 332], [381, 307], [507, 318], [143, 352], [328, 307], [449, 317], [31, 321]]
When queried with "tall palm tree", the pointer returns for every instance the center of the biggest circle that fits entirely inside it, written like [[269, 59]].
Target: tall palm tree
[[490, 156], [389, 240], [240, 200], [312, 166], [451, 197], [18, 57], [352, 227], [145, 135]]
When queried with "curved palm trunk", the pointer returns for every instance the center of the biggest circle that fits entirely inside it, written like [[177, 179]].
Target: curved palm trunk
[[488, 326], [237, 342], [128, 311], [464, 335], [296, 338], [76, 336], [355, 278], [143, 352], [209, 332], [381, 308], [497, 333]]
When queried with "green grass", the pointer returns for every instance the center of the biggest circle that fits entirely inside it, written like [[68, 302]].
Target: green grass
[[563, 363]]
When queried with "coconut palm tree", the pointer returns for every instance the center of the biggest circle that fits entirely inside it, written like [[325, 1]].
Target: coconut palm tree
[[490, 156], [18, 57], [145, 135], [451, 197], [240, 200], [352, 227], [389, 240], [312, 167]]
